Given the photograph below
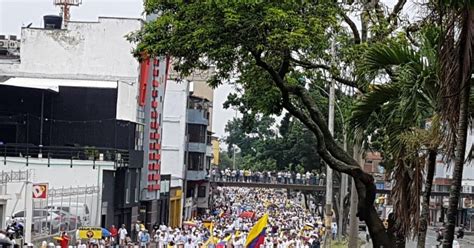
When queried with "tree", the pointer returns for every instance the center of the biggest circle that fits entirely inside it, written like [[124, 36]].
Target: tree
[[291, 147], [456, 18], [395, 114], [272, 46], [248, 132]]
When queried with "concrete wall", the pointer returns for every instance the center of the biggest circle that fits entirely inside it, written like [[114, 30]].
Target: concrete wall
[[84, 49], [174, 131]]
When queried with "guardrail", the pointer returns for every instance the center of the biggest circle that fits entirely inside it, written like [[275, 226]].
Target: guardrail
[[120, 157]]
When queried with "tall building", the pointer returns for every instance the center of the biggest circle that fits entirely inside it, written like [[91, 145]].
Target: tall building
[[174, 145], [76, 105], [187, 149]]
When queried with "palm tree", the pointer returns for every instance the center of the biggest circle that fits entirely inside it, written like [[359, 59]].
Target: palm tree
[[456, 18], [396, 111]]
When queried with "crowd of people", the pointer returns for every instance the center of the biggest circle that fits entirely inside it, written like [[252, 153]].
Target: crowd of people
[[227, 223], [235, 212], [282, 177]]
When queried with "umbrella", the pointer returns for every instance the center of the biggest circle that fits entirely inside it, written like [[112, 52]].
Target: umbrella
[[105, 232], [247, 214]]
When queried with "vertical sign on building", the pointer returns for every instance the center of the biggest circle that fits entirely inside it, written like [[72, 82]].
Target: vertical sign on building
[[152, 89]]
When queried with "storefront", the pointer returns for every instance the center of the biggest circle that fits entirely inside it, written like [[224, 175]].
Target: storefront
[[175, 207]]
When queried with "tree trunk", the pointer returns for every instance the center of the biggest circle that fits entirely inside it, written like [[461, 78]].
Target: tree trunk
[[425, 205], [459, 156], [353, 221]]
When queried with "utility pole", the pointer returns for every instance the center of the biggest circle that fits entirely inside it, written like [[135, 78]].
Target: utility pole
[[328, 208], [233, 157]]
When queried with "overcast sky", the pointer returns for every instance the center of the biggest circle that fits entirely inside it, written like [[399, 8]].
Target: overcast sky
[[17, 13]]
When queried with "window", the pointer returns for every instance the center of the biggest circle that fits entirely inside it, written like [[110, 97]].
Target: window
[[127, 186], [197, 133], [202, 191], [208, 163], [368, 161], [139, 137], [209, 138], [195, 161], [19, 214], [137, 185]]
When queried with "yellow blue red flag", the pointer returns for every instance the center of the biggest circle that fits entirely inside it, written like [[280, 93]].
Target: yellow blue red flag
[[256, 236]]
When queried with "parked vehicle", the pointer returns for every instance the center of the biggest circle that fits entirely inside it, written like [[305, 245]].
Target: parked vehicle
[[67, 220], [15, 230], [42, 219], [75, 208]]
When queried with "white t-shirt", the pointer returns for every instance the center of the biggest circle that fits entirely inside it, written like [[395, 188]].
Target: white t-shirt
[[189, 245], [122, 233]]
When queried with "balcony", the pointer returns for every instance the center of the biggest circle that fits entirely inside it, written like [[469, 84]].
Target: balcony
[[197, 116], [120, 158], [197, 147], [196, 175]]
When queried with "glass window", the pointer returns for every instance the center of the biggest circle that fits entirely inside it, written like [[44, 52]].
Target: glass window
[[19, 214], [195, 161], [197, 133], [128, 184], [139, 137], [202, 191], [137, 185]]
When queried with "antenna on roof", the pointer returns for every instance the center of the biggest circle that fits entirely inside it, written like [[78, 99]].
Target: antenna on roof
[[65, 5]]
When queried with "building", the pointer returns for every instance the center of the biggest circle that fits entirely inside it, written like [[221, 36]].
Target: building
[[187, 150], [174, 145], [442, 183], [68, 107]]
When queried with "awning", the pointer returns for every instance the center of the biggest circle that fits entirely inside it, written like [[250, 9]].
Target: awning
[[53, 84]]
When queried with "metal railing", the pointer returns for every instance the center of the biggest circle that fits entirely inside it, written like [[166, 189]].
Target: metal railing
[[120, 157]]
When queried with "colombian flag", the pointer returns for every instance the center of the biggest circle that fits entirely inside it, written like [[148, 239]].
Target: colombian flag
[[256, 236]]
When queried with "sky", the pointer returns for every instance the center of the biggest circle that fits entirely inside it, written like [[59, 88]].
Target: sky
[[17, 13]]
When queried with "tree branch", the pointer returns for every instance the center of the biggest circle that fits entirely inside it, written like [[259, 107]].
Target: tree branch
[[341, 80], [392, 18], [285, 65], [396, 10], [353, 27]]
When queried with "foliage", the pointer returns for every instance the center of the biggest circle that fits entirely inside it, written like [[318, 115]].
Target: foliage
[[292, 147], [395, 113]]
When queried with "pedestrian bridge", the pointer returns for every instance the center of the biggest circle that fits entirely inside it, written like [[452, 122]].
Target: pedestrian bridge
[[304, 187]]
